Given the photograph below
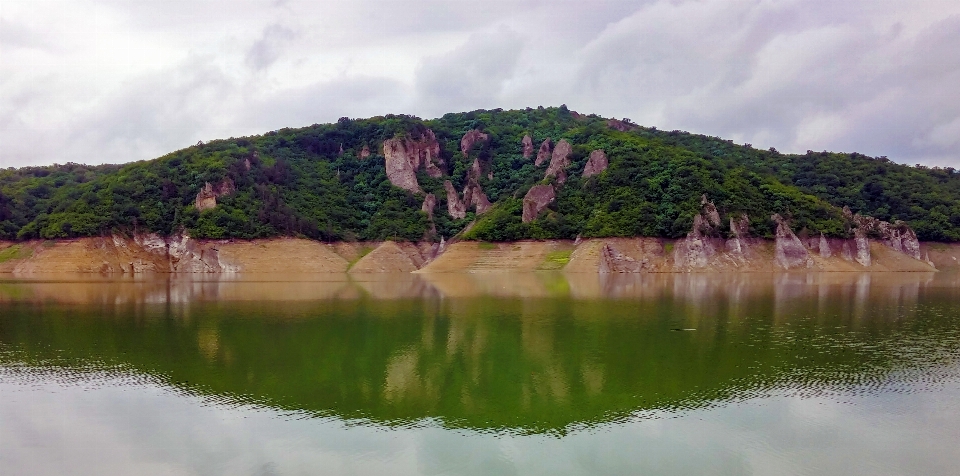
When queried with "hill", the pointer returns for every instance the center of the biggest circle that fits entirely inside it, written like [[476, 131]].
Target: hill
[[545, 173]]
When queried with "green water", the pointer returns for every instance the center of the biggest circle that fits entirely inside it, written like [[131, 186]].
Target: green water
[[455, 374]]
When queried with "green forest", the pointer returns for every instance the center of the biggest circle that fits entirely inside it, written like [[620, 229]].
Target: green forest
[[311, 182]]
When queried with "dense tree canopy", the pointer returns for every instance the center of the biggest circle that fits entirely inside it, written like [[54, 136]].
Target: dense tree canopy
[[311, 182]]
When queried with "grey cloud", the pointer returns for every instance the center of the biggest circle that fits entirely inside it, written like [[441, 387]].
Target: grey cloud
[[326, 102], [266, 50], [470, 76]]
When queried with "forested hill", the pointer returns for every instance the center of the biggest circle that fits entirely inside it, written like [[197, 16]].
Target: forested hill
[[340, 182]]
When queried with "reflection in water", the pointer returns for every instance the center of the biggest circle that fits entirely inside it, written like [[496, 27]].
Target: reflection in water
[[500, 355]]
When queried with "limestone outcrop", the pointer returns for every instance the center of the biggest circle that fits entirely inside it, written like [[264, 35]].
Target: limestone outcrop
[[207, 196], [897, 235], [469, 139], [543, 154], [702, 242], [596, 164], [473, 196], [527, 143], [429, 203], [404, 156], [789, 251], [559, 161], [455, 207], [536, 200], [738, 245], [364, 152]]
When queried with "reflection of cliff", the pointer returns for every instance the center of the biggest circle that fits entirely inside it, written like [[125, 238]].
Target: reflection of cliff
[[531, 364]]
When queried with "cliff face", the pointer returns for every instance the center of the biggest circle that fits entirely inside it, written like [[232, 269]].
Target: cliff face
[[404, 156]]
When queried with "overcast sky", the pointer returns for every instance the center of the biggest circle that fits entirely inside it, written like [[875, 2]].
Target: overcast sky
[[121, 80]]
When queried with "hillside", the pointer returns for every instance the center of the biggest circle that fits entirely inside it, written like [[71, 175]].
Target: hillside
[[546, 173]]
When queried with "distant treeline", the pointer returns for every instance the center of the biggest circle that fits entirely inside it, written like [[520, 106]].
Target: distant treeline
[[311, 182]]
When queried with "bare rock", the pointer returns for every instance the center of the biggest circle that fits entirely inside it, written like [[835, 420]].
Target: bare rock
[[364, 152], [404, 156], [620, 125], [527, 143], [429, 203], [897, 236], [789, 251], [595, 164], [543, 154], [469, 139], [475, 170], [473, 196], [824, 248], [455, 207], [188, 256], [536, 200], [560, 161], [702, 242], [207, 196], [613, 261], [738, 244]]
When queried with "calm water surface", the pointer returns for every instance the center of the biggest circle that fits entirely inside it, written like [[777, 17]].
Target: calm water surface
[[828, 373]]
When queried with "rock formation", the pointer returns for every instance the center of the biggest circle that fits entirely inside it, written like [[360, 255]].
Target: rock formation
[[455, 207], [429, 203], [897, 236], [536, 200], [824, 247], [364, 152], [404, 156], [543, 154], [702, 242], [473, 196], [595, 164], [789, 252], [527, 143], [620, 125], [469, 139], [207, 196], [738, 243], [560, 161], [613, 261]]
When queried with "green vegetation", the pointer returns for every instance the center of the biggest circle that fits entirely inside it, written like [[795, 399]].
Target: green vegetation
[[310, 182], [556, 260], [15, 252]]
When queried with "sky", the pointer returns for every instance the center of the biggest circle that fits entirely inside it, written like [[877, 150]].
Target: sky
[[114, 81]]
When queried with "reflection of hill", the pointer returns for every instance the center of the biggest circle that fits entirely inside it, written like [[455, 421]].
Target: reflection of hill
[[495, 361]]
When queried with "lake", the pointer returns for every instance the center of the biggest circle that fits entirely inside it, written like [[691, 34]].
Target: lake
[[528, 374]]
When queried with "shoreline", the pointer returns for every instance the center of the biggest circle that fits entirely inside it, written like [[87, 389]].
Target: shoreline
[[151, 254]]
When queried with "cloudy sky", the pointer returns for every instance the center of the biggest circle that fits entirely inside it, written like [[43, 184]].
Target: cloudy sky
[[119, 80]]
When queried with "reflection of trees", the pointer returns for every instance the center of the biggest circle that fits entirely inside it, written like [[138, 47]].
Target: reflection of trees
[[537, 364]]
